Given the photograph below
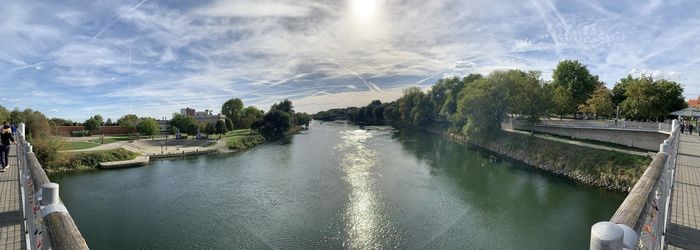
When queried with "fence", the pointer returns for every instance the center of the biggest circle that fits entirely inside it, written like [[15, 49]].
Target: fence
[[652, 126], [47, 222], [641, 219]]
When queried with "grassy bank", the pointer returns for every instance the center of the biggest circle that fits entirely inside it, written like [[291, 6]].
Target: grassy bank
[[72, 161], [609, 169]]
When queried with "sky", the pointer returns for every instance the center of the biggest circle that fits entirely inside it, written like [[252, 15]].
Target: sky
[[75, 59]]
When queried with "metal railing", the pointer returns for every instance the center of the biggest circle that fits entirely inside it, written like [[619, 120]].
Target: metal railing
[[47, 223], [640, 221], [619, 124]]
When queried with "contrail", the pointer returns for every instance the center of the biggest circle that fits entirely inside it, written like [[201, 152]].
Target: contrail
[[27, 66], [370, 85], [117, 18]]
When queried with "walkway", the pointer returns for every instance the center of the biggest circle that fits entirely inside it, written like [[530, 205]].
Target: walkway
[[684, 226], [580, 143], [11, 226]]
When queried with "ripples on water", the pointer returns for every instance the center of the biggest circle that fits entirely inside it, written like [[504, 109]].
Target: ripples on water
[[363, 219]]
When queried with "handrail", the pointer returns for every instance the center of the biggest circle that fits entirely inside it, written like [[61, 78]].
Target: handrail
[[641, 218], [630, 210], [49, 211]]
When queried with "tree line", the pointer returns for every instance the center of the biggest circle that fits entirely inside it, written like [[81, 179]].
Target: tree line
[[475, 105]]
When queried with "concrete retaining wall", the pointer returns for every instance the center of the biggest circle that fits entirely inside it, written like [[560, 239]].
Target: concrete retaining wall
[[648, 140]]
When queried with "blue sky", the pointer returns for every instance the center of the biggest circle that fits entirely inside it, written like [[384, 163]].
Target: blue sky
[[74, 59]]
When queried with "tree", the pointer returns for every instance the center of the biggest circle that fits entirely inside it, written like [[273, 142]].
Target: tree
[[642, 101], [182, 122], [529, 97], [600, 103], [275, 123], [4, 114], [563, 102], [174, 130], [302, 119], [220, 127], [232, 110], [671, 95], [209, 129], [249, 115], [93, 124], [575, 77], [109, 122], [284, 106], [229, 124], [16, 116], [129, 122], [149, 127], [193, 129], [484, 104]]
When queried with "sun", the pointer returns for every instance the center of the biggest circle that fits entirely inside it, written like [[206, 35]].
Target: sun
[[364, 11]]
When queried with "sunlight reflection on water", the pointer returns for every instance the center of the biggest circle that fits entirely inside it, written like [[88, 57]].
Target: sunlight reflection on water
[[362, 217]]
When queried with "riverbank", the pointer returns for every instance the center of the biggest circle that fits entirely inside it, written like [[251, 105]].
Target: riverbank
[[612, 170]]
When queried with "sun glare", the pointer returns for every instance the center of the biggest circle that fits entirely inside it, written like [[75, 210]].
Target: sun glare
[[364, 10]]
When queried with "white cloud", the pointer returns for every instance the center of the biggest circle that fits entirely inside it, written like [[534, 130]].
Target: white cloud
[[254, 9]]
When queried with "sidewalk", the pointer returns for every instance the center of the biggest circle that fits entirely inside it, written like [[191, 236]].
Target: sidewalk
[[11, 222], [584, 144]]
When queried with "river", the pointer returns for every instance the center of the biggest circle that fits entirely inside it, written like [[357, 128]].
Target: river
[[335, 186]]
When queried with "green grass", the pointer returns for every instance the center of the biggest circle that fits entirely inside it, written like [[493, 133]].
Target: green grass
[[242, 142], [67, 161], [239, 132], [110, 139], [605, 167], [76, 145]]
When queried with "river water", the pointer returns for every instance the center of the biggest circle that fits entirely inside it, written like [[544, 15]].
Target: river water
[[335, 186]]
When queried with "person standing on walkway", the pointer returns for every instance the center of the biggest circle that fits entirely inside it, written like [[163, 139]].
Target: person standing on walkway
[[5, 140], [682, 127], [690, 129]]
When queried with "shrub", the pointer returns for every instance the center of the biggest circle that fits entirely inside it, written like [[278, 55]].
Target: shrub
[[79, 133], [87, 160]]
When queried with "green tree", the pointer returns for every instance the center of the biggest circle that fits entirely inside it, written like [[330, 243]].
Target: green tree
[[600, 103], [182, 122], [529, 99], [232, 110], [302, 119], [220, 127], [149, 127], [129, 122], [484, 103], [563, 102], [275, 123], [193, 129], [93, 124], [16, 116], [4, 114], [671, 96], [575, 77], [642, 101], [209, 129], [229, 124], [249, 115]]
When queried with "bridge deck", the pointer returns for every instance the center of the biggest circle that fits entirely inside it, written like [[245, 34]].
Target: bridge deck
[[11, 221], [684, 226]]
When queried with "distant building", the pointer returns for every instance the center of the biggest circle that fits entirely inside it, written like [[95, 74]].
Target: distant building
[[187, 111], [203, 117], [164, 126], [694, 103]]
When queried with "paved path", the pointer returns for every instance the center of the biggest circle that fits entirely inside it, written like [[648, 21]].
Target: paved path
[[11, 226], [580, 143], [683, 230]]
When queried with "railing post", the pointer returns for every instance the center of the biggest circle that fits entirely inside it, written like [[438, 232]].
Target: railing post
[[606, 235], [49, 194]]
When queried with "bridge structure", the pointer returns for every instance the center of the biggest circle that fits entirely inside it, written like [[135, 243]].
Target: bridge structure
[[662, 211], [32, 215]]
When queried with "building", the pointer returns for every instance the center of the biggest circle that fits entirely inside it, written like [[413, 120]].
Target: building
[[694, 103], [202, 117], [164, 125]]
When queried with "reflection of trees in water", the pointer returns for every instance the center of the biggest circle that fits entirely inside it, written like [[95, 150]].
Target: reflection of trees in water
[[493, 186]]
